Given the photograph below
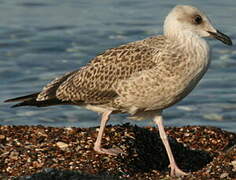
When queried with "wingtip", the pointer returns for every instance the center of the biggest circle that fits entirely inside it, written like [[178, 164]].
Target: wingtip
[[22, 98], [11, 100], [8, 100], [14, 106]]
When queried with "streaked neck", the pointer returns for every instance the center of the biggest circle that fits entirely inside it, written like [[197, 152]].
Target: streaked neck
[[190, 42]]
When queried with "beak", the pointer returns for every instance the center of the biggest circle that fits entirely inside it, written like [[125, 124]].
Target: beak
[[222, 37]]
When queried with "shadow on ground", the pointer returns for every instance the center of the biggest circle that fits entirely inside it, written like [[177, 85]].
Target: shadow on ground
[[146, 152]]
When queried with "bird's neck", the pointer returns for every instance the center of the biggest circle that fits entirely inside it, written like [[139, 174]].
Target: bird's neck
[[196, 48], [191, 43]]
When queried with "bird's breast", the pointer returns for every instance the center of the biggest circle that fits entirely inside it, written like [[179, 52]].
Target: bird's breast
[[164, 85]]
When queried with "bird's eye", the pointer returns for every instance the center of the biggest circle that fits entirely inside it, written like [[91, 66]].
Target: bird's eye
[[197, 19]]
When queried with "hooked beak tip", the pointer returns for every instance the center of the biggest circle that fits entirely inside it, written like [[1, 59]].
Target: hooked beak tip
[[222, 37]]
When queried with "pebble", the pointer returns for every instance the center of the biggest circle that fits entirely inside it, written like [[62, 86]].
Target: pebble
[[224, 175], [2, 137], [63, 146], [14, 155], [234, 164]]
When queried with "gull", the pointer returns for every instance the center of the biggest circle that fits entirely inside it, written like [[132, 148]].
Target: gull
[[141, 78]]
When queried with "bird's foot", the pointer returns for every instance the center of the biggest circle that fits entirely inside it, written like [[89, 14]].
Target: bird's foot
[[111, 151], [175, 171]]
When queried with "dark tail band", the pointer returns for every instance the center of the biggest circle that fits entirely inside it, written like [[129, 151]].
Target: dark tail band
[[30, 100], [23, 98]]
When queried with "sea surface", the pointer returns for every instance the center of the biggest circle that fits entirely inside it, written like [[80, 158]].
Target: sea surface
[[40, 40]]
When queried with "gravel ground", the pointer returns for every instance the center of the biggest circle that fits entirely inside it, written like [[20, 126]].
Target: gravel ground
[[37, 152]]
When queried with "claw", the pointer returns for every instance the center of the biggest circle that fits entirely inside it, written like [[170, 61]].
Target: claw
[[175, 171]]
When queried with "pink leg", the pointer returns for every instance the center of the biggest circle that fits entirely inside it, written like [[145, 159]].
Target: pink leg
[[175, 171], [97, 145]]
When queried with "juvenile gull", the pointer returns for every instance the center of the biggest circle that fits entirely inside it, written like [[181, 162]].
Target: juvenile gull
[[140, 78]]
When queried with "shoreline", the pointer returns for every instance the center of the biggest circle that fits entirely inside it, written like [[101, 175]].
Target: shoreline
[[204, 152]]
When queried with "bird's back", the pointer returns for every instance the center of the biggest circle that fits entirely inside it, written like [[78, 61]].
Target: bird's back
[[96, 82]]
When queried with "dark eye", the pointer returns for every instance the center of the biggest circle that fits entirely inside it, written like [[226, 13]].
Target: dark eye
[[197, 19]]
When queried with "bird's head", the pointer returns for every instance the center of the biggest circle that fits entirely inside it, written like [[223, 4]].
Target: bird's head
[[188, 19]]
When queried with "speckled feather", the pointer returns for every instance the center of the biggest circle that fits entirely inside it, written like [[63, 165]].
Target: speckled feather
[[96, 82], [144, 75]]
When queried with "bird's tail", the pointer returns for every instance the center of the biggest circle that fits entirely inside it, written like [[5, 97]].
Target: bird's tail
[[24, 100], [30, 100]]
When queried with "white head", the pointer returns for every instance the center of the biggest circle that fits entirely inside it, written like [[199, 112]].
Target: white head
[[187, 19]]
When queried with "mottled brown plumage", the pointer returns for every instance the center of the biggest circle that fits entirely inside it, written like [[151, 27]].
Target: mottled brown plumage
[[140, 78], [96, 83]]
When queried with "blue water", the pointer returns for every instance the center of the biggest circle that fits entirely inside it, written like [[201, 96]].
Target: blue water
[[40, 40]]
